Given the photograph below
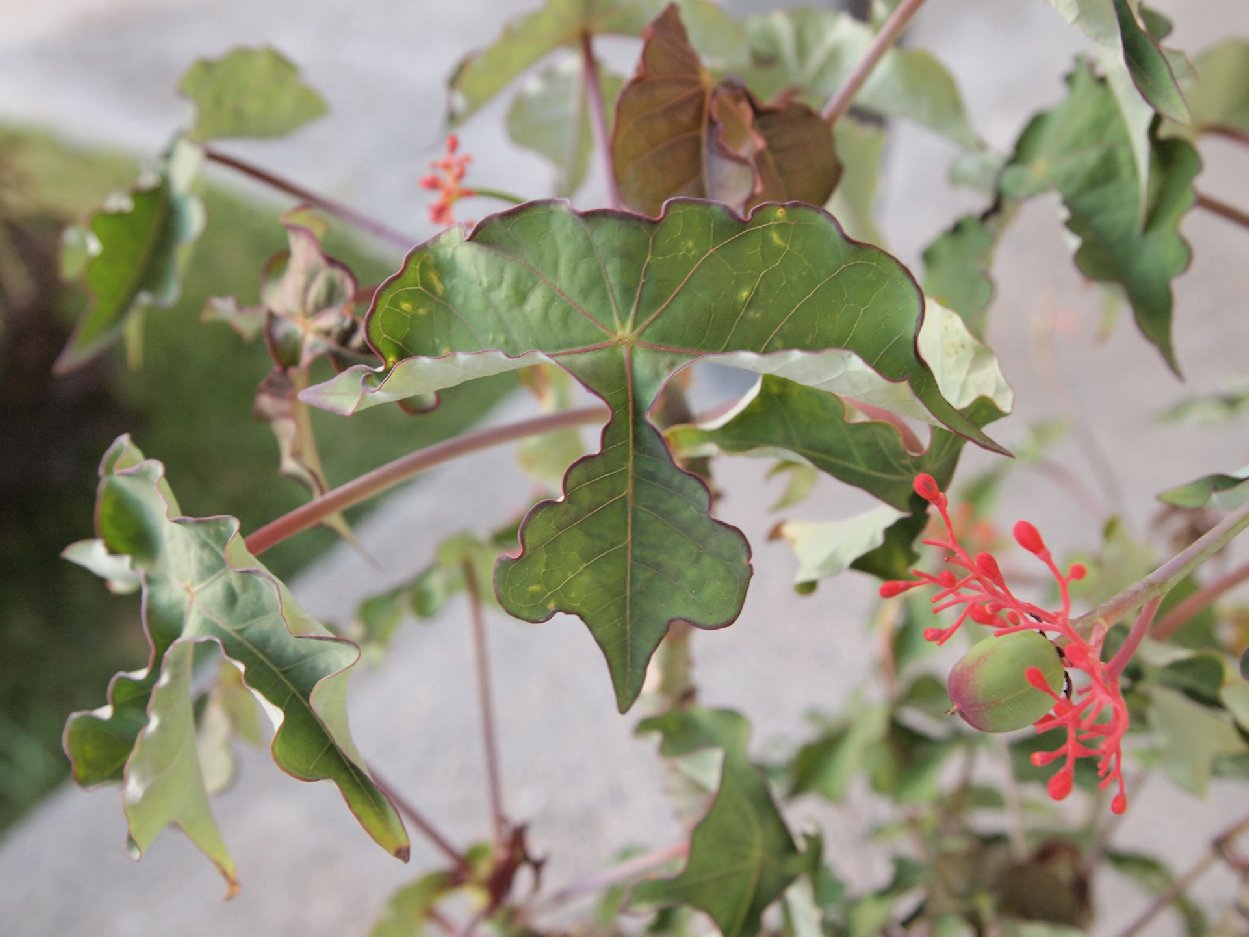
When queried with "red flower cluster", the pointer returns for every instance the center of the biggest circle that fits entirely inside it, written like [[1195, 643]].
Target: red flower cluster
[[1095, 715], [446, 178]]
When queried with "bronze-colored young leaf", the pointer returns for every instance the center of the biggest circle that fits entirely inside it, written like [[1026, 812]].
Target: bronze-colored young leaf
[[139, 247], [200, 585], [622, 302], [678, 132], [252, 93], [742, 855]]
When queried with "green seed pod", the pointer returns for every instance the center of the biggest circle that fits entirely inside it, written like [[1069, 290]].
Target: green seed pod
[[989, 688]]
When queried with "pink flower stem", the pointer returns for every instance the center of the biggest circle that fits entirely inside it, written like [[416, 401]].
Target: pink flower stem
[[401, 469], [1140, 628], [329, 206], [593, 92], [840, 102]]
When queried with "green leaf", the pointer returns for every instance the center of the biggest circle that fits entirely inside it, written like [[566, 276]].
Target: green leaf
[[957, 265], [1189, 738], [814, 51], [406, 912], [549, 116], [742, 856], [255, 93], [1149, 67], [1217, 490], [200, 585], [528, 39], [1219, 95], [138, 246], [859, 147], [678, 133], [1217, 409], [621, 302], [1081, 150], [779, 417], [828, 765], [826, 548]]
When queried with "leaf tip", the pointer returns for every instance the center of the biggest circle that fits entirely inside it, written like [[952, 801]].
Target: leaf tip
[[403, 853]]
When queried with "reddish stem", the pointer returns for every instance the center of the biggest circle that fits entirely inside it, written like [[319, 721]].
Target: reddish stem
[[598, 117], [328, 205], [418, 819], [614, 875], [1175, 619], [840, 102], [1140, 628], [403, 468], [1223, 210], [486, 704]]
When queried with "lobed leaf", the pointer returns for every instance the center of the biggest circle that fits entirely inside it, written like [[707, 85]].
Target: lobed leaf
[[813, 51], [200, 585], [137, 247], [253, 93], [742, 855], [1081, 149], [621, 302]]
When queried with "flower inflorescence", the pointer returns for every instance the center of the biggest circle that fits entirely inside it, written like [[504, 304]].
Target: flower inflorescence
[[1094, 715], [447, 179]]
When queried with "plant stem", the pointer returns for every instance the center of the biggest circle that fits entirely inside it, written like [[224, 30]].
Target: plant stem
[[486, 704], [337, 209], [1140, 628], [1173, 620], [1162, 579], [498, 195], [598, 117], [614, 875], [403, 468], [1218, 848], [840, 102], [440, 842], [1223, 210]]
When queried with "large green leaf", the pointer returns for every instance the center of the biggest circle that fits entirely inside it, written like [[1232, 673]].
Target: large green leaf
[[550, 117], [815, 50], [1190, 737], [1081, 150], [138, 247], [957, 265], [1219, 95], [527, 40], [1138, 73], [253, 93], [621, 302], [742, 855], [200, 585], [678, 132]]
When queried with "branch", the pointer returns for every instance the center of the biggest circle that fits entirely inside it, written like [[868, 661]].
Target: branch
[[440, 842], [403, 468], [840, 102], [598, 118], [1218, 849], [337, 209], [614, 875], [1175, 619], [486, 704], [1161, 580], [1223, 210]]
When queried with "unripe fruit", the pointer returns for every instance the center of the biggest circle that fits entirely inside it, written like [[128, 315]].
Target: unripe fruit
[[989, 686]]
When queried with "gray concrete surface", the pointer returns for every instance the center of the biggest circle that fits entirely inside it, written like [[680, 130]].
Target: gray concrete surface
[[103, 70]]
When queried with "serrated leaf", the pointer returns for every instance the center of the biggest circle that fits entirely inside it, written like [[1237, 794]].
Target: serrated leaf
[[253, 93], [201, 585], [139, 245], [621, 302], [1081, 150], [528, 39], [742, 855], [679, 133], [1226, 491], [1219, 95], [1190, 737], [549, 116], [815, 50]]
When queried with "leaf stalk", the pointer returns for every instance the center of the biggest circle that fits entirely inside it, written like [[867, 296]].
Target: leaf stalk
[[593, 92], [486, 704], [841, 100]]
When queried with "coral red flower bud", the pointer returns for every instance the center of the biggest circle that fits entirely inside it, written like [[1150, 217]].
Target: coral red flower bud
[[986, 565], [926, 487], [896, 587], [1119, 804], [1059, 785], [1029, 537], [1078, 571]]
